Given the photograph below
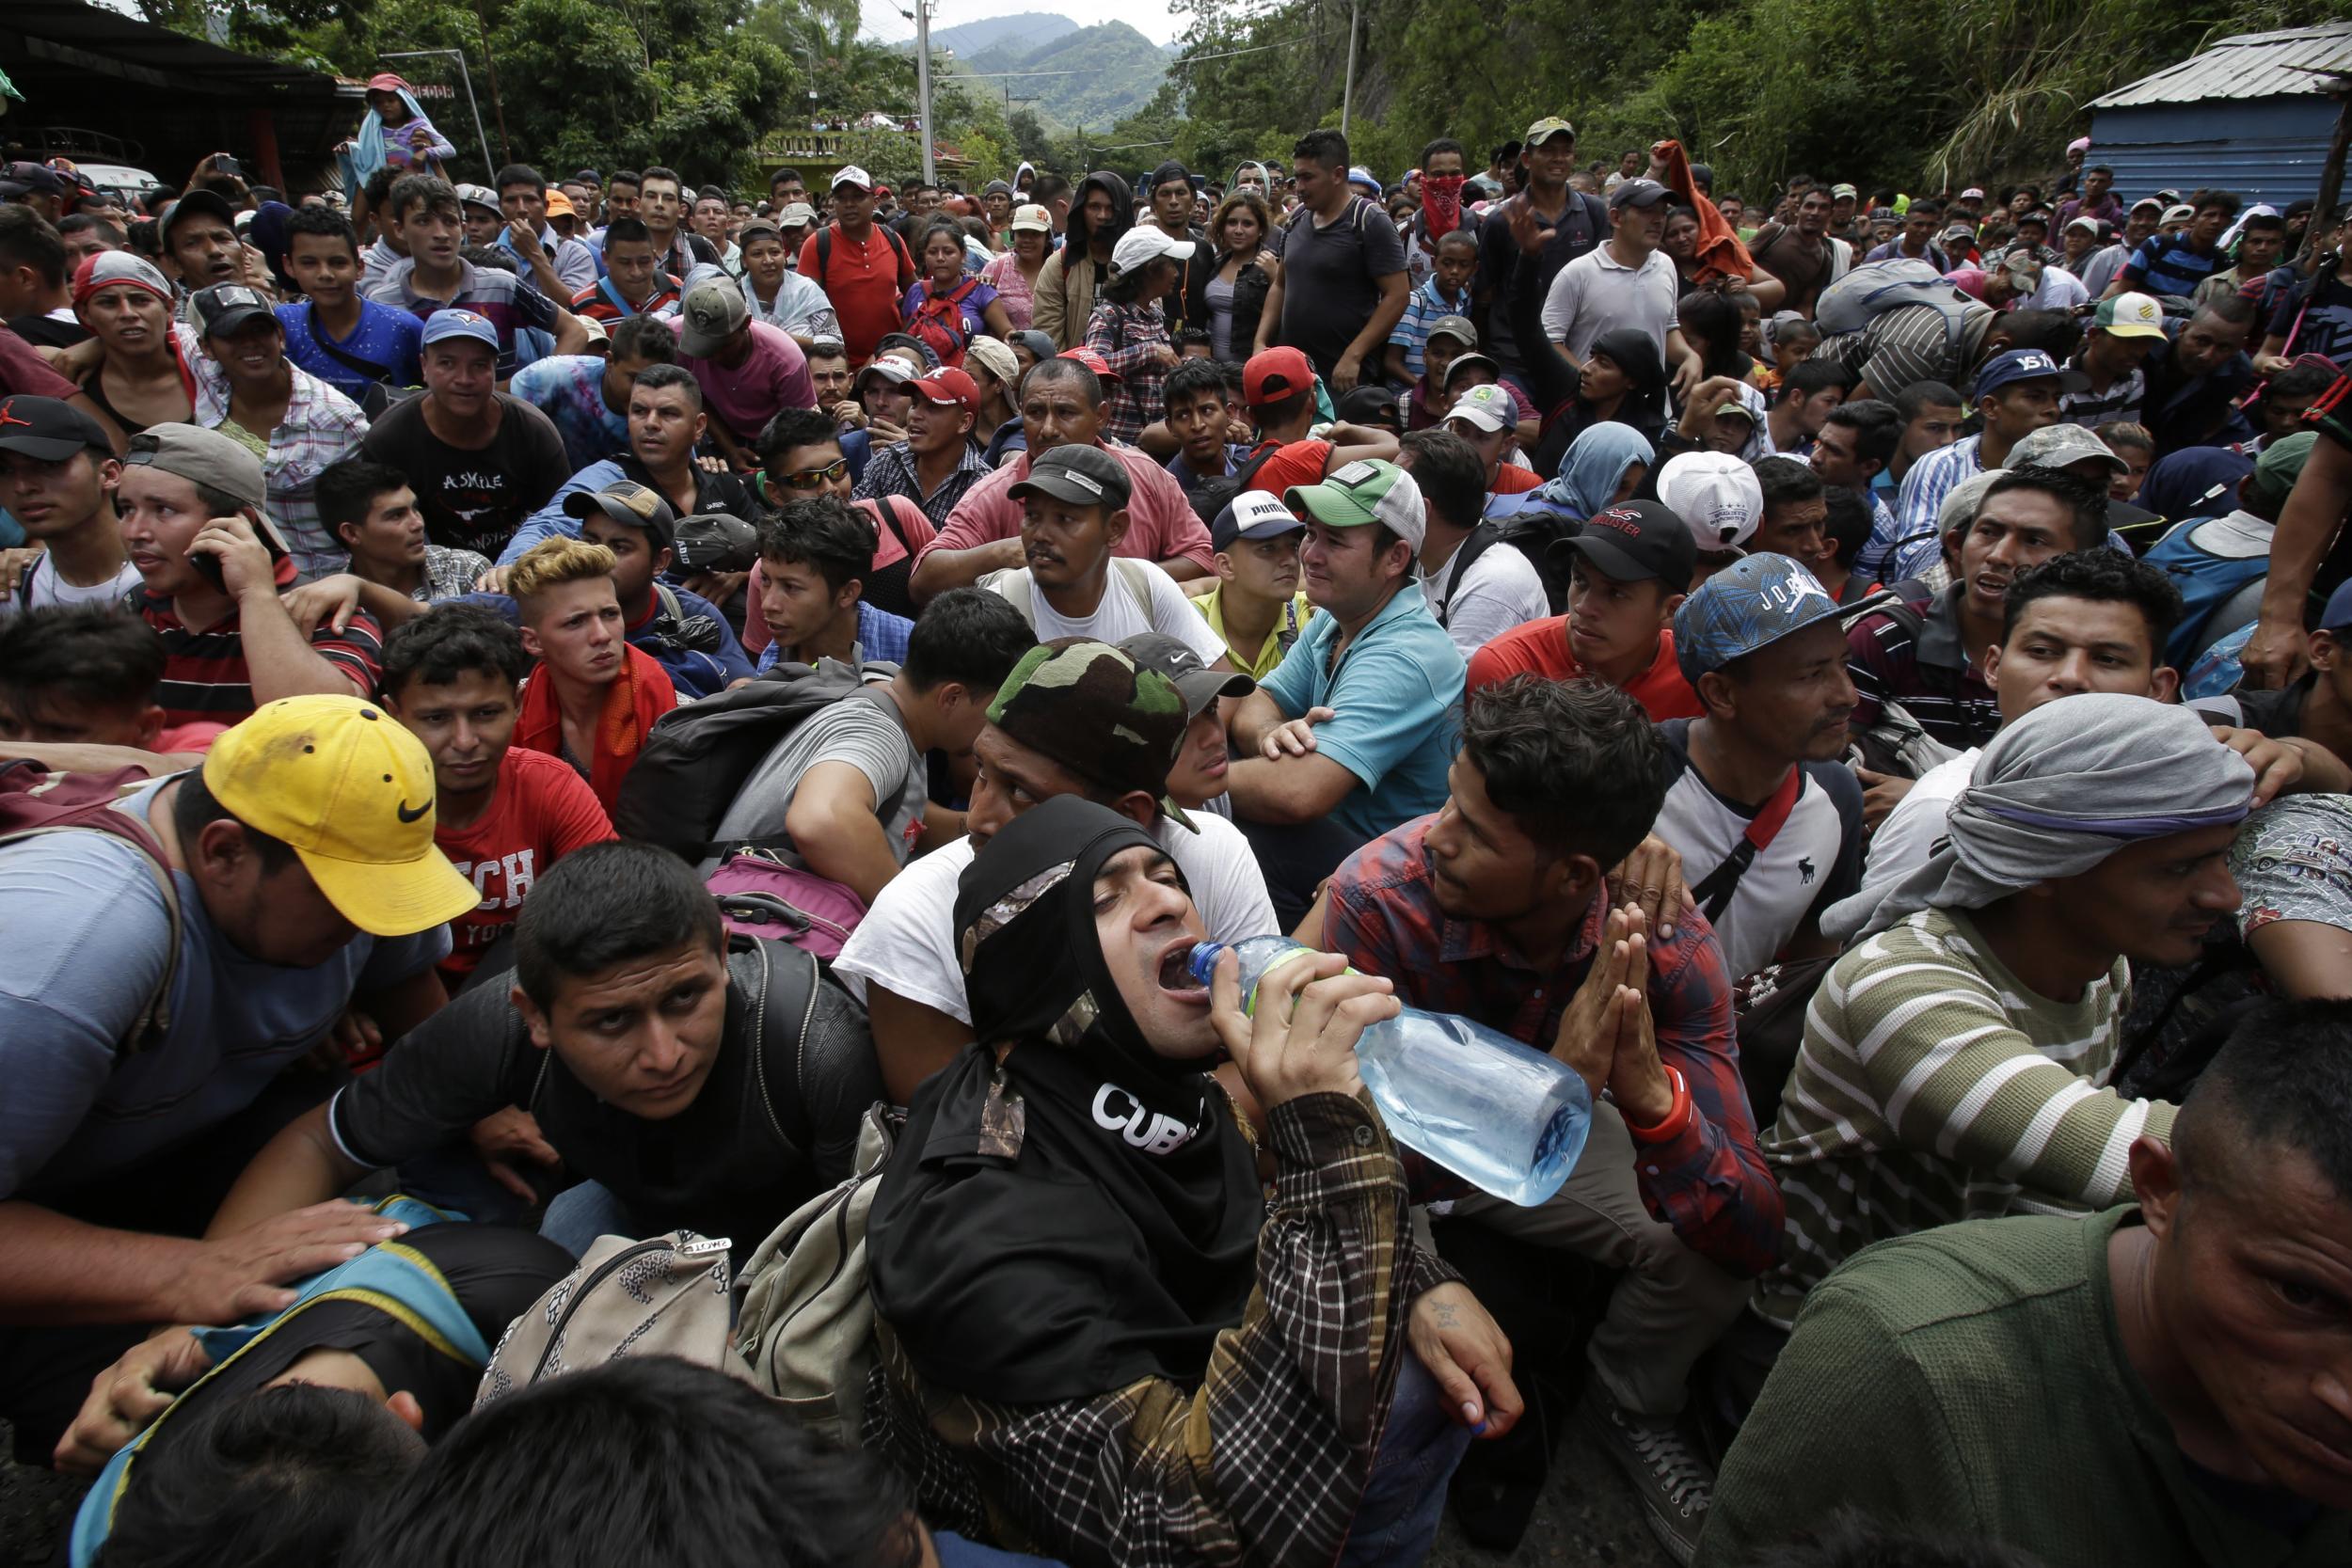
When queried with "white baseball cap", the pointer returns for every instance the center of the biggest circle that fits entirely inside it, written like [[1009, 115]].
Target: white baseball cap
[[852, 175], [1717, 497], [1144, 245], [1031, 219]]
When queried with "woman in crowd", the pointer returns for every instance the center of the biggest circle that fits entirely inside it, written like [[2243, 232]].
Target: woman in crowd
[[1129, 329], [947, 308], [1602, 467], [1103, 210], [1245, 270], [145, 373], [1013, 275]]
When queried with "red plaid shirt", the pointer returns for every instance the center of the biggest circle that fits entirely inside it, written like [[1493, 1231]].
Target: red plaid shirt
[[1710, 1182]]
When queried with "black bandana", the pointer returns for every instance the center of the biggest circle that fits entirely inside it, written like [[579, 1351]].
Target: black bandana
[[1085, 1213]]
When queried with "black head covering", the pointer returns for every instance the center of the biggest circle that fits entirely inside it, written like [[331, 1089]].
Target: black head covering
[[1085, 1212], [1075, 237], [1635, 351]]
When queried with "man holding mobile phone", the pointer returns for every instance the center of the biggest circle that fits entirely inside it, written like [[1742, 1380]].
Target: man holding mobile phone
[[210, 566]]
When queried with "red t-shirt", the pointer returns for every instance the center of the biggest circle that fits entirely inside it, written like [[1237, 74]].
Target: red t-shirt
[[1292, 465], [1541, 648], [864, 282], [541, 812]]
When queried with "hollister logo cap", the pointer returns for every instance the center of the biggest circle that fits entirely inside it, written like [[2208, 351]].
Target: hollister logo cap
[[1634, 541]]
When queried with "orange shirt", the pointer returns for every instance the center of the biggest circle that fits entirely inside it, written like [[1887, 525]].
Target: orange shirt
[[1541, 648]]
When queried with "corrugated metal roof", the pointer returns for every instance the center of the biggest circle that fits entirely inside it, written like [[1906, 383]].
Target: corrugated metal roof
[[2251, 65]]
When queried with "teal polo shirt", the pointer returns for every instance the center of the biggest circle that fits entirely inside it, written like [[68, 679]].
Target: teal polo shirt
[[1397, 694]]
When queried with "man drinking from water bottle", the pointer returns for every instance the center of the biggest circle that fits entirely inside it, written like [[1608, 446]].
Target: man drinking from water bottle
[[1498, 908]]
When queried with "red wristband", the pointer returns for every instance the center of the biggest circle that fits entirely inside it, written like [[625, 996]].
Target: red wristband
[[1677, 1117]]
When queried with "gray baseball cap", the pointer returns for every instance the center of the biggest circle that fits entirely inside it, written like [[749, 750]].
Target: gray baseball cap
[[203, 456], [2056, 445]]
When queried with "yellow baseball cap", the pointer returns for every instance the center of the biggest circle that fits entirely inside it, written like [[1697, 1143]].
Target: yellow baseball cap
[[351, 791]]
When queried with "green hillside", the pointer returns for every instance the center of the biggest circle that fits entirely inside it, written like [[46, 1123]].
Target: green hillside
[[1115, 71]]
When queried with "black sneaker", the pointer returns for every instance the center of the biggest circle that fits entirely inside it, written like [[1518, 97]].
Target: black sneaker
[[1673, 1481]]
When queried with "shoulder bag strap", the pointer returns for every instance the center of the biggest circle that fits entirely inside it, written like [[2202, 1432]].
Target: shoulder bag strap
[[1713, 894], [349, 361]]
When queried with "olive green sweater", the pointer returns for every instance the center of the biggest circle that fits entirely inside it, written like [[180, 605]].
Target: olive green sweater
[[1970, 1382]]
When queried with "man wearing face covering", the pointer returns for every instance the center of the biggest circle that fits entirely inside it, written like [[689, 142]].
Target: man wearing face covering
[[1099, 1340], [1064, 292], [1956, 1063]]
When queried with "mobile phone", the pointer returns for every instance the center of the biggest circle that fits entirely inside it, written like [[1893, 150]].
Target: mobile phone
[[224, 164], [209, 564]]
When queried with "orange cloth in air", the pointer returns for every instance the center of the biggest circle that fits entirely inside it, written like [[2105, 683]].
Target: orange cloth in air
[[1720, 252]]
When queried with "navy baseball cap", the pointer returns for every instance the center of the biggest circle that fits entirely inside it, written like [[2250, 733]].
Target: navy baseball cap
[[1751, 604], [2026, 364], [2338, 615]]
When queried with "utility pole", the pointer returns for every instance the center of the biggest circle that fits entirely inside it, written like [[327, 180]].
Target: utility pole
[[2331, 172], [1347, 92], [922, 83], [490, 66]]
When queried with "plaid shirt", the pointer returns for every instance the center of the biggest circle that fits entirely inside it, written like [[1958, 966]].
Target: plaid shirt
[[890, 471], [320, 426], [1266, 1461], [1710, 1182], [1129, 339]]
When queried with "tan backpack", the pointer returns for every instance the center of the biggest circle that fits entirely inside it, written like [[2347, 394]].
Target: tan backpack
[[665, 1297], [806, 1320]]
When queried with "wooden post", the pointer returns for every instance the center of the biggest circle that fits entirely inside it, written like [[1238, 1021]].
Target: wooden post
[[2331, 172]]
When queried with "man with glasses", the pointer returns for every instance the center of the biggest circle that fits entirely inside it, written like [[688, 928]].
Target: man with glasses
[[800, 459]]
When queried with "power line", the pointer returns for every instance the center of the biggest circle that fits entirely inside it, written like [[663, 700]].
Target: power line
[[1254, 49]]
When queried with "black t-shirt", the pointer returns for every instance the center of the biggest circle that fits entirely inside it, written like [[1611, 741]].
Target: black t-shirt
[[48, 331], [496, 1272], [2277, 714], [758, 1141], [473, 501], [1583, 224], [1330, 278]]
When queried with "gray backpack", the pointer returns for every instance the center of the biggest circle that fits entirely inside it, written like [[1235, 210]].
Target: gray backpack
[[805, 1319], [1874, 288]]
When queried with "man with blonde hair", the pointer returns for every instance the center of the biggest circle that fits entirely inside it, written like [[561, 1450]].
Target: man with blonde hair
[[593, 698]]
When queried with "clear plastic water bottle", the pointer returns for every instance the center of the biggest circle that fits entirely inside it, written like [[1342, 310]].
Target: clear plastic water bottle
[[1509, 1121]]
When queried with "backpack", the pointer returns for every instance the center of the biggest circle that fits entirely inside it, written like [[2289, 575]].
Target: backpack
[[34, 801], [2209, 559], [1896, 743], [938, 322], [1871, 290], [805, 1317], [1020, 589], [1486, 536], [667, 1296], [695, 758], [1215, 494], [1532, 529]]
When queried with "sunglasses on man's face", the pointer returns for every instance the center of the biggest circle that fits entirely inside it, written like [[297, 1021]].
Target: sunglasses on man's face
[[810, 479]]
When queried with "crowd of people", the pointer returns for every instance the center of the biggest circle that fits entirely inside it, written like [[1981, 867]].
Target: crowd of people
[[767, 693]]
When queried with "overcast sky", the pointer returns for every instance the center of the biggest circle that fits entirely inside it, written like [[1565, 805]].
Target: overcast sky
[[1152, 18]]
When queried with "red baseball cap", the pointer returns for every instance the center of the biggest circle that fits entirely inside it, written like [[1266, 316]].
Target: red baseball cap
[[881, 190], [1094, 361], [1275, 375], [949, 385]]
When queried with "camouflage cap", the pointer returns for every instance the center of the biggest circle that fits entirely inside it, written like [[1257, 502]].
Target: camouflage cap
[[1093, 709]]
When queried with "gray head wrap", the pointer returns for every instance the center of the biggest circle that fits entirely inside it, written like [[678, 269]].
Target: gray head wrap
[[2063, 788]]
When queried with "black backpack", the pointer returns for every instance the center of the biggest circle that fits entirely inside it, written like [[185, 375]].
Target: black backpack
[[1532, 529], [696, 758], [1215, 494]]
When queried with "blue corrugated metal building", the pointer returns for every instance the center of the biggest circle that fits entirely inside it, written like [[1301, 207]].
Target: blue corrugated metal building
[[2250, 115]]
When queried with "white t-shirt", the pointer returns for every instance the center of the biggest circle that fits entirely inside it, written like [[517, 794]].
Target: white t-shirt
[[2058, 289], [1596, 293], [907, 941], [1502, 590], [1903, 842], [1120, 614], [42, 586]]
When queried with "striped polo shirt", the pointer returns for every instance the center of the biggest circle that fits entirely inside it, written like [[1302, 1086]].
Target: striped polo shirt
[[510, 304], [205, 676], [1933, 1087], [2163, 265], [1927, 672]]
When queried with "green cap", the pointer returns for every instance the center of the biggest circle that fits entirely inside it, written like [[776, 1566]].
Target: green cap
[[1366, 491], [2282, 463], [1093, 709]]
